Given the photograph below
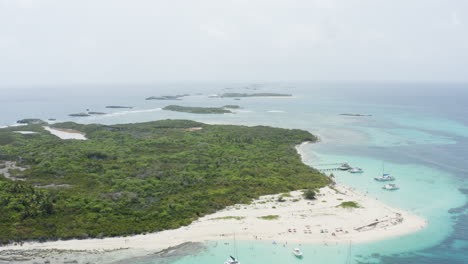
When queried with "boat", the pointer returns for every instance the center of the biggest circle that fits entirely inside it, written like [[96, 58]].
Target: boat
[[390, 187], [385, 177], [345, 166], [356, 170], [297, 252], [232, 260]]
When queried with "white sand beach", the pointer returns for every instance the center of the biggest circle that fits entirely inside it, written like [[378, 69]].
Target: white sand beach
[[25, 132], [299, 220], [66, 133]]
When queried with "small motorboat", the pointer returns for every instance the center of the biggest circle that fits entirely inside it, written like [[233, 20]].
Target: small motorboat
[[390, 187], [232, 260], [345, 166], [297, 252], [384, 177], [356, 170]]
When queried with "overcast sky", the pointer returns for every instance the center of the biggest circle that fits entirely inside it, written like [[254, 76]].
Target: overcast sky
[[46, 42]]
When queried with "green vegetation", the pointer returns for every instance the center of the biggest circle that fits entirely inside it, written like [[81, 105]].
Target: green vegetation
[[253, 94], [228, 218], [197, 110], [349, 204], [31, 121], [137, 178], [281, 197], [310, 194], [269, 217]]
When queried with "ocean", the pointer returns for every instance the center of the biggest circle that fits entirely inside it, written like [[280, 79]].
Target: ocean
[[418, 132]]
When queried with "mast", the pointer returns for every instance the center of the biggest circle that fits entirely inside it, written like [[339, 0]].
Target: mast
[[349, 257], [235, 246]]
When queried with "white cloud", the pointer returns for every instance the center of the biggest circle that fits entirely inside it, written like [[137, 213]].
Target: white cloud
[[454, 19], [215, 30], [158, 40]]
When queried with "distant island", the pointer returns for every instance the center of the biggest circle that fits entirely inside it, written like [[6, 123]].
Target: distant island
[[167, 97], [139, 178], [31, 121], [118, 106], [231, 106], [80, 114], [198, 110], [254, 95], [87, 113], [355, 115]]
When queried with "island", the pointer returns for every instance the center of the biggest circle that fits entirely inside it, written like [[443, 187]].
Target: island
[[355, 114], [232, 106], [197, 110], [137, 178], [31, 121], [255, 95], [83, 114], [167, 97], [119, 106]]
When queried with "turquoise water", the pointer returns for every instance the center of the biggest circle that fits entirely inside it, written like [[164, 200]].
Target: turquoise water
[[422, 140]]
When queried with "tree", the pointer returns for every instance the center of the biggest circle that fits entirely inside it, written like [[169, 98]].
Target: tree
[[310, 194]]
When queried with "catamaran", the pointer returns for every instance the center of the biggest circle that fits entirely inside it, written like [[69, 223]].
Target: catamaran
[[297, 252], [385, 177]]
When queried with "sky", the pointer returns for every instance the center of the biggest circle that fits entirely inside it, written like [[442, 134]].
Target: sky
[[69, 42]]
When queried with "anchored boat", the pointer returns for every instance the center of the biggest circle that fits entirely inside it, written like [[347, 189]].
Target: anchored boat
[[384, 177], [356, 170], [297, 252], [390, 187], [232, 260], [345, 166]]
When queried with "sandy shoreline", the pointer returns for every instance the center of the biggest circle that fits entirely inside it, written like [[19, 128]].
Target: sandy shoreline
[[66, 133], [319, 221], [300, 221]]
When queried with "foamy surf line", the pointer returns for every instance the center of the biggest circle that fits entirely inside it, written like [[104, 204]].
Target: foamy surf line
[[129, 112], [14, 125]]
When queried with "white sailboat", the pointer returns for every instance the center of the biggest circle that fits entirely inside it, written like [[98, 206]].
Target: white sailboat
[[231, 259], [297, 252], [391, 187], [385, 176], [356, 170]]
